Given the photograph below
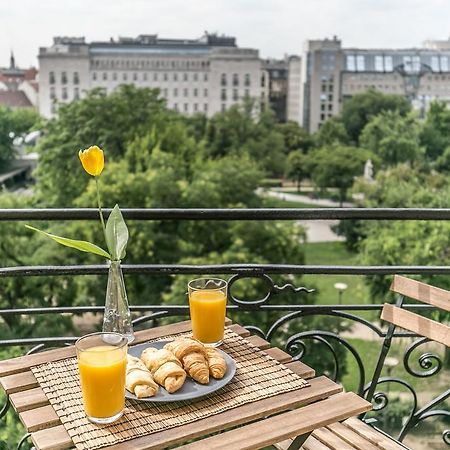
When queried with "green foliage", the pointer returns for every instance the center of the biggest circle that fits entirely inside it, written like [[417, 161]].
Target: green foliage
[[332, 132], [6, 148], [337, 166], [443, 162], [359, 109], [295, 137], [435, 135], [393, 137], [297, 167]]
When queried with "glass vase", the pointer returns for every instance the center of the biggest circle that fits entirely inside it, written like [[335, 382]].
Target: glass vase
[[117, 317]]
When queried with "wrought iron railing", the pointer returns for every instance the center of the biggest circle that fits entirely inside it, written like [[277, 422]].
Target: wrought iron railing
[[278, 328]]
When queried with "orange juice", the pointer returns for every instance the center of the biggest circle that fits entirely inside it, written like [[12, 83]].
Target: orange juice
[[207, 308], [102, 374]]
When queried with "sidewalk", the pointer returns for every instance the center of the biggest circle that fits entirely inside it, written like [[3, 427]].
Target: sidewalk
[[324, 202]]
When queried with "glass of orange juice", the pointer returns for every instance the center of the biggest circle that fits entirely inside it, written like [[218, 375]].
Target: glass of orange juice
[[207, 306], [102, 361]]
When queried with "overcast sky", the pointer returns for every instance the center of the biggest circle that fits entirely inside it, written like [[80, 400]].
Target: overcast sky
[[275, 27]]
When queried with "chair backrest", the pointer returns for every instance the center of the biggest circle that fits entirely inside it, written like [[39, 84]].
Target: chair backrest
[[422, 326]]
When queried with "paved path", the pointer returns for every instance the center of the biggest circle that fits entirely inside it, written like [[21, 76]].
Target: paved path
[[324, 202]]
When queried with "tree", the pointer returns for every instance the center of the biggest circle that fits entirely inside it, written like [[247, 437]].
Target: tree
[[337, 167], [295, 137], [393, 137], [435, 134], [359, 109], [332, 132], [297, 167], [6, 137]]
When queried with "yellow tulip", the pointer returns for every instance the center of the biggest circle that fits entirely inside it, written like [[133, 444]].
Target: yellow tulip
[[92, 160]]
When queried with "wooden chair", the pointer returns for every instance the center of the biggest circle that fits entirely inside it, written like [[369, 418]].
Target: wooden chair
[[354, 433]]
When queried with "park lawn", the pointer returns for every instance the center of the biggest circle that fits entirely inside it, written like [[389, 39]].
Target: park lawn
[[271, 202], [335, 253]]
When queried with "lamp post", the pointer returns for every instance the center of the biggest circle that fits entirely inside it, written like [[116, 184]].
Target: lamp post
[[341, 287]]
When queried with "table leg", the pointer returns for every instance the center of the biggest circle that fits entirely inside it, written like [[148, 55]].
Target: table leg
[[299, 441]]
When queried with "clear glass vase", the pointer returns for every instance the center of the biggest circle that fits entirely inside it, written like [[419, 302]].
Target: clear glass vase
[[117, 317]]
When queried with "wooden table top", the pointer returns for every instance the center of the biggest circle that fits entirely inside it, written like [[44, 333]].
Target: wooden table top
[[322, 403]]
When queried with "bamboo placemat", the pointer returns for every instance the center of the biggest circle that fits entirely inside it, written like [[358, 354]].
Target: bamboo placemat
[[257, 376]]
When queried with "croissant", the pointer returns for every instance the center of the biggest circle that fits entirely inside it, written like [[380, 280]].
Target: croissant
[[193, 356], [139, 380], [165, 368], [216, 363]]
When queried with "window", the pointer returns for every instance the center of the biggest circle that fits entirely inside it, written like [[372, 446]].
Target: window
[[235, 95], [135, 76], [165, 92], [205, 92], [76, 78], [330, 88], [185, 92], [322, 117], [411, 63], [124, 76], [223, 79], [76, 93], [195, 76], [379, 63], [195, 92], [263, 80], [223, 107], [51, 77], [322, 106], [144, 76], [114, 76], [105, 76], [444, 64], [388, 65], [185, 76], [360, 63], [165, 76], [63, 77], [330, 97], [175, 106], [435, 63], [205, 107], [247, 93], [351, 66], [64, 93], [247, 79], [155, 76], [324, 88], [195, 107], [330, 107], [323, 97], [94, 75], [205, 77], [175, 92], [235, 79], [186, 107], [175, 77], [52, 93], [224, 94]]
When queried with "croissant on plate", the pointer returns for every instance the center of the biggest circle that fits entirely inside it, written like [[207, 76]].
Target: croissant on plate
[[139, 380], [216, 363], [192, 354], [165, 368]]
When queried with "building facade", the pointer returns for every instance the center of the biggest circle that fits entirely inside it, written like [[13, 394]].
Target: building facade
[[274, 86], [206, 75], [329, 74]]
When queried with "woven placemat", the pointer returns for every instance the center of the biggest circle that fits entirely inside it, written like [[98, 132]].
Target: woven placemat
[[257, 376]]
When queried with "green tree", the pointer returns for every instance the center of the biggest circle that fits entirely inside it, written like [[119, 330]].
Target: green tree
[[332, 132], [359, 109], [297, 167], [337, 167], [435, 135], [393, 137], [295, 137]]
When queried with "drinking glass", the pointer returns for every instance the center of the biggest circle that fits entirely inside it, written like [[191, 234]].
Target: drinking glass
[[102, 361], [207, 307]]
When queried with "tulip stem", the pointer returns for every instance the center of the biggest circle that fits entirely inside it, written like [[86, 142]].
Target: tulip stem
[[100, 209]]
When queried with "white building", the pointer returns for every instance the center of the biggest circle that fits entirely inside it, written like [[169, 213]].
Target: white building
[[204, 75]]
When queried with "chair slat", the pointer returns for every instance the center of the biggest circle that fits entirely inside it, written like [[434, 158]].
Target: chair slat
[[421, 291], [417, 324]]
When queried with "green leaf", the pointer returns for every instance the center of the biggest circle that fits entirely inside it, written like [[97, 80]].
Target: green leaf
[[116, 234], [83, 246]]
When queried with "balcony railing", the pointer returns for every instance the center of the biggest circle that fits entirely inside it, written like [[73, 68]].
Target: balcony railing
[[279, 317]]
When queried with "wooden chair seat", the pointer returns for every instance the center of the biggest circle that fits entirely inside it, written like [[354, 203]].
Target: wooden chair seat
[[352, 434]]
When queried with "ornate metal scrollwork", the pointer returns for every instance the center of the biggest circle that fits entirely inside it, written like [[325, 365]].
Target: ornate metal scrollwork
[[430, 362], [25, 437], [5, 407]]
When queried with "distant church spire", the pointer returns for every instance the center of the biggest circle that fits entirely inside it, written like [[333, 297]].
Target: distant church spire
[[12, 61]]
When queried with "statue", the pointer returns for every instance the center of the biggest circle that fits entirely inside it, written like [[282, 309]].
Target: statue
[[368, 171]]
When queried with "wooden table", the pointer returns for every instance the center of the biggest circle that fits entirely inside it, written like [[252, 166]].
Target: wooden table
[[261, 423]]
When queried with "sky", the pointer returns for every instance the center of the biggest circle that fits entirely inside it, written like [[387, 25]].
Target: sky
[[275, 27]]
